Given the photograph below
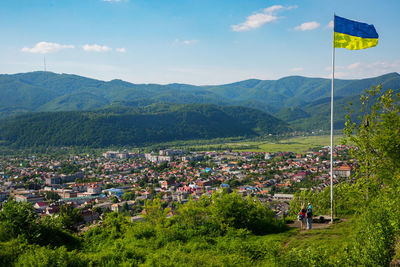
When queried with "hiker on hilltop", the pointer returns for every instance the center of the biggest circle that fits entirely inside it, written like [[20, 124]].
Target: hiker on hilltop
[[309, 215]]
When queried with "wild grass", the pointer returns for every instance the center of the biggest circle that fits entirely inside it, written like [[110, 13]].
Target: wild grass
[[328, 238]]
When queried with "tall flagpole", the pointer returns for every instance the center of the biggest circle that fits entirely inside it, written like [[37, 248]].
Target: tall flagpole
[[333, 78]]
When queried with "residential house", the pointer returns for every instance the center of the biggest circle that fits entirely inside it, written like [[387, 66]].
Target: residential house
[[29, 198], [343, 171]]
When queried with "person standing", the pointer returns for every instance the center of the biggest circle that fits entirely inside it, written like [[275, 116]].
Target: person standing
[[309, 216], [302, 219]]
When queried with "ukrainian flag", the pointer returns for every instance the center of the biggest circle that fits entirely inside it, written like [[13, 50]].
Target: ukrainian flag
[[353, 35]]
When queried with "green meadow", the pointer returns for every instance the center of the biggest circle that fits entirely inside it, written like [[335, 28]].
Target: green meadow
[[298, 144], [294, 144]]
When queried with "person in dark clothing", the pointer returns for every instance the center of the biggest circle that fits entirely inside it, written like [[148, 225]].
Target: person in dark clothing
[[309, 215]]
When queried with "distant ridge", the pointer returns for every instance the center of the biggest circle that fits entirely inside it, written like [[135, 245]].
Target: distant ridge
[[46, 91]]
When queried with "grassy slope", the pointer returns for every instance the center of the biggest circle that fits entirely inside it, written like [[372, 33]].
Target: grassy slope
[[330, 238], [267, 250], [233, 250]]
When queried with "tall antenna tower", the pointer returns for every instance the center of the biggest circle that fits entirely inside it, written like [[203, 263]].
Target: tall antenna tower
[[44, 62]]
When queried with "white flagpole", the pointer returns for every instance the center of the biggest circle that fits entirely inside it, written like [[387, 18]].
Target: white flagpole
[[333, 78]]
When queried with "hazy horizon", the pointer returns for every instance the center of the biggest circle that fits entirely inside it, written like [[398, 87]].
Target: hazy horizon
[[200, 84]]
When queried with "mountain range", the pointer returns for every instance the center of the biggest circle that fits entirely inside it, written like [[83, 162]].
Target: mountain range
[[300, 102]]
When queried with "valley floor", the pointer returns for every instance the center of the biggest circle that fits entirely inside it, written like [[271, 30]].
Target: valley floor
[[296, 144]]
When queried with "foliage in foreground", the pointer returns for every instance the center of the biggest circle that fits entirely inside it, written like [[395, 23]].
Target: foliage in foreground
[[224, 229]]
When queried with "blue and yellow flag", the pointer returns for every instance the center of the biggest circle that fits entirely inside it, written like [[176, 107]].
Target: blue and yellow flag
[[353, 35]]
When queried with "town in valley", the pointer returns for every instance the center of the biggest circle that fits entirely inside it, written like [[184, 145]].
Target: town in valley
[[122, 181]]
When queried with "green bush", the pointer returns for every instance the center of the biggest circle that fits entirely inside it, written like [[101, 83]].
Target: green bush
[[231, 210], [18, 219], [44, 256], [374, 243], [9, 251]]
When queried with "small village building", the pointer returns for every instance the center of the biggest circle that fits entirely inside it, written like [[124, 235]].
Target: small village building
[[29, 198], [94, 189], [40, 205], [89, 216], [53, 180], [283, 197], [343, 171]]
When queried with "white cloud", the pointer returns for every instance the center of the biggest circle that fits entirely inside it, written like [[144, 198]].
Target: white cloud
[[258, 19], [253, 22], [330, 25], [185, 42], [395, 65], [189, 42], [379, 67], [363, 70], [307, 26], [121, 50], [297, 69], [96, 48], [271, 9], [291, 7], [46, 47], [354, 65]]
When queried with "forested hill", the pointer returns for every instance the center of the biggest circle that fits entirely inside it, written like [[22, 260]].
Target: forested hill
[[136, 126], [288, 98]]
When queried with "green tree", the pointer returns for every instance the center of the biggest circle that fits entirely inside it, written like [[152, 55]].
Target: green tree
[[125, 207], [69, 217], [155, 213], [376, 135], [19, 219], [51, 195], [128, 195], [194, 214], [114, 199], [232, 210]]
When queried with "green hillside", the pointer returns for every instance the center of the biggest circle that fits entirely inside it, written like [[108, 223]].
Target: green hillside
[[118, 125], [291, 98], [292, 114]]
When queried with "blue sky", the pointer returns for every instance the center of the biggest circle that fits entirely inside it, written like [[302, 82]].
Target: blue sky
[[193, 41]]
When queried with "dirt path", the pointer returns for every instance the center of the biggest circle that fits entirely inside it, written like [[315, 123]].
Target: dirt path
[[296, 224], [285, 245]]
